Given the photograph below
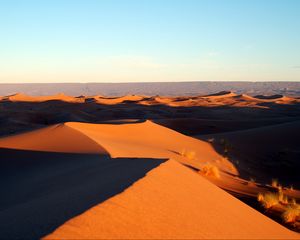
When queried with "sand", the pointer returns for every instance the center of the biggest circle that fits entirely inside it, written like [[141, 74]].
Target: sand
[[118, 140], [126, 177], [172, 202]]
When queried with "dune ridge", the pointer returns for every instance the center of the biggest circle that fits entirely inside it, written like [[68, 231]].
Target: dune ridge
[[147, 210], [118, 140], [220, 98], [21, 97], [56, 138]]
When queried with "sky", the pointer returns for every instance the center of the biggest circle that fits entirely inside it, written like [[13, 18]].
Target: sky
[[149, 40]]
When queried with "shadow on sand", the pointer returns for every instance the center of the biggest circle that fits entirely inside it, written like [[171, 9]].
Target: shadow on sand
[[42, 190]]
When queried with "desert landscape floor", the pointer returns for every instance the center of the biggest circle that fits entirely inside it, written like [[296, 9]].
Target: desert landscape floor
[[109, 173]]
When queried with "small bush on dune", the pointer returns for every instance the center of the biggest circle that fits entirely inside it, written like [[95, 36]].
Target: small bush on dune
[[269, 200], [260, 197], [285, 200], [282, 198], [275, 183], [210, 170], [188, 154], [293, 201], [291, 214]]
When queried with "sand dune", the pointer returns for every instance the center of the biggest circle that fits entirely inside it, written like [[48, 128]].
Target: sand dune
[[50, 188], [57, 138], [196, 126], [20, 97], [125, 177], [222, 94], [118, 140], [221, 98], [119, 100], [17, 116], [276, 151], [172, 202]]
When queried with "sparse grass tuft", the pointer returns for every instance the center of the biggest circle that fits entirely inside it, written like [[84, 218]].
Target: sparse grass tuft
[[293, 201], [274, 183], [291, 210], [269, 200], [282, 198], [291, 214], [210, 170], [260, 197], [191, 155]]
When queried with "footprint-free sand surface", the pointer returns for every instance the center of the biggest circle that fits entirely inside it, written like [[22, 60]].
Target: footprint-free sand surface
[[131, 178]]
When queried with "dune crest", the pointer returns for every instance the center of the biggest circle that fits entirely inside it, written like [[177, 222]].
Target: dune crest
[[20, 97], [119, 140], [56, 138], [212, 100], [221, 94], [172, 202]]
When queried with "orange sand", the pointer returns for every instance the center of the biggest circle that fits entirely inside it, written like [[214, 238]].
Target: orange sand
[[172, 202]]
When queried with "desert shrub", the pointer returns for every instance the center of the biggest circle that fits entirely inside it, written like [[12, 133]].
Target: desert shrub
[[281, 197], [275, 183], [291, 213], [293, 201], [188, 154], [260, 197], [269, 200], [210, 170]]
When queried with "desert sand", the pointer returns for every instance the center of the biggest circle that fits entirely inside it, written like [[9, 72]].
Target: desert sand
[[95, 167], [171, 202]]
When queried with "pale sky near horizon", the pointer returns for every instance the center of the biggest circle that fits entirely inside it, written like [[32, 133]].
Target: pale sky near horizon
[[149, 40]]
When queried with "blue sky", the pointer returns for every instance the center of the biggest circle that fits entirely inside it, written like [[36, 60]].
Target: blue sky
[[149, 40]]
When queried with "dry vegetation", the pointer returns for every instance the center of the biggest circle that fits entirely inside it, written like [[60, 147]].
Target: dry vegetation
[[291, 210], [275, 183], [210, 170], [291, 213], [282, 198], [268, 200], [191, 155]]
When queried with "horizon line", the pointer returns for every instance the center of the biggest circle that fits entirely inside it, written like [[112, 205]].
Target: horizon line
[[196, 81]]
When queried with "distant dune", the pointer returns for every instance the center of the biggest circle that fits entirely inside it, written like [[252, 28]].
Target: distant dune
[[24, 112], [220, 98], [20, 97]]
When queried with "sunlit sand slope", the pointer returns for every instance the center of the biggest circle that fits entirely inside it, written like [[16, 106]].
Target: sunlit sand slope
[[145, 139], [172, 202], [56, 138]]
